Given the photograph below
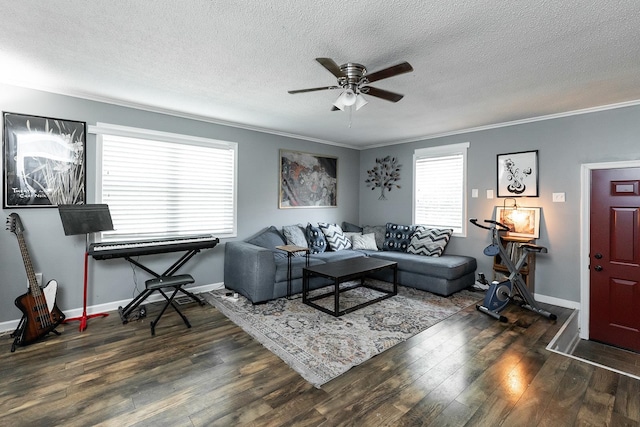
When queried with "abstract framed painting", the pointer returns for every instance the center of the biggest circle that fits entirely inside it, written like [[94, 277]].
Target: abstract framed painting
[[307, 180]]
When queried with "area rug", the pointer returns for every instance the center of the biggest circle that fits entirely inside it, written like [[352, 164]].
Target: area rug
[[321, 347]]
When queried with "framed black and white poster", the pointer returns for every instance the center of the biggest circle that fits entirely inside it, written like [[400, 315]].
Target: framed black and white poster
[[307, 180], [518, 174], [44, 161]]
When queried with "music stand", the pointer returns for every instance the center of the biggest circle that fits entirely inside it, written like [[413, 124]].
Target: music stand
[[85, 219]]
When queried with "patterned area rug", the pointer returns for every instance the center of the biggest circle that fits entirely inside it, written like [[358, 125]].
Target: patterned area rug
[[321, 347]]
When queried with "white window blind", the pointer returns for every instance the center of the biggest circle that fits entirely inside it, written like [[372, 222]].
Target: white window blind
[[439, 187], [158, 188]]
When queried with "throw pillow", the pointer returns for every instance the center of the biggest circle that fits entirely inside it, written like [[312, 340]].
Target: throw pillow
[[269, 239], [398, 237], [379, 231], [429, 241], [315, 239], [295, 235], [336, 239], [365, 241], [350, 235], [347, 227]]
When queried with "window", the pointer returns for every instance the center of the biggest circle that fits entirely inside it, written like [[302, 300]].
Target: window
[[161, 185], [440, 175]]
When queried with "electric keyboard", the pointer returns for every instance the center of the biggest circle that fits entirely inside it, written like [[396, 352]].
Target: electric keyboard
[[110, 250]]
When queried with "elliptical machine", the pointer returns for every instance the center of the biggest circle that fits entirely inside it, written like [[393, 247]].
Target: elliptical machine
[[514, 289]]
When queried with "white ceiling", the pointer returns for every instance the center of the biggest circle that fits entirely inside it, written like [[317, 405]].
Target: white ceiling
[[476, 63]]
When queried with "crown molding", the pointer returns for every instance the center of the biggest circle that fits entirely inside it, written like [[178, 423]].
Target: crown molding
[[207, 119]]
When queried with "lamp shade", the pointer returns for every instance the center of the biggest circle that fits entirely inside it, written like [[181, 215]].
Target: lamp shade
[[346, 99], [360, 102]]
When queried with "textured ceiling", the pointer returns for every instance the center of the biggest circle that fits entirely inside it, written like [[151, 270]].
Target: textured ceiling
[[476, 63]]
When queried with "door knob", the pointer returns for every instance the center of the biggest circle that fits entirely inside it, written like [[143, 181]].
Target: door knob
[[598, 268], [598, 255]]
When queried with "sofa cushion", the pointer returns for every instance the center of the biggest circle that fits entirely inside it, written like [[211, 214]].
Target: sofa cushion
[[429, 241], [397, 237], [379, 231], [295, 236], [351, 228], [336, 239], [364, 242], [269, 239], [315, 239], [331, 256], [447, 266]]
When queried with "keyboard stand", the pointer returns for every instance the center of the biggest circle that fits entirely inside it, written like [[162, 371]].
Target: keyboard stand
[[126, 311]]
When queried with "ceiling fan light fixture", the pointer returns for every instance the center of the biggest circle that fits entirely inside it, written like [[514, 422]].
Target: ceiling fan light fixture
[[360, 102], [346, 99]]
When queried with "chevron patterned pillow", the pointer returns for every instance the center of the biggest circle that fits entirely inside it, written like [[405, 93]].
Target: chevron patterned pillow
[[429, 241], [336, 239]]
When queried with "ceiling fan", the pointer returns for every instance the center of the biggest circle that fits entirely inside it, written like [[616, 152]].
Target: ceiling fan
[[353, 80]]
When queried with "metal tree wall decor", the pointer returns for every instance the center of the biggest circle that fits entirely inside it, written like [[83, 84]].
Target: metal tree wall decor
[[384, 175]]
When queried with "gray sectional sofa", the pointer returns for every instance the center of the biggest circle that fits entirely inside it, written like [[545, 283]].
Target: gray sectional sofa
[[255, 269]]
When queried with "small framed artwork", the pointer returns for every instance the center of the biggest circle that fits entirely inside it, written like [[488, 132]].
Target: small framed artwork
[[307, 180], [522, 222], [518, 174], [44, 161]]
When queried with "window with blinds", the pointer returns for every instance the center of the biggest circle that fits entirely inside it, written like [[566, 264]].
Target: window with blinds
[[166, 185], [439, 187]]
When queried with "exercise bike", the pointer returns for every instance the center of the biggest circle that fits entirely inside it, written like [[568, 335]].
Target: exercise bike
[[514, 289]]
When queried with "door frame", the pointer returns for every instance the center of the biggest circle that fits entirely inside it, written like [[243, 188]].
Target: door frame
[[585, 238]]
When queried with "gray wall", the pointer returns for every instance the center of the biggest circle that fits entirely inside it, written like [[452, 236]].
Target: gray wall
[[61, 257], [564, 144]]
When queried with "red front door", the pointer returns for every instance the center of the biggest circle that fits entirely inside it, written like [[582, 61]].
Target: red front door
[[614, 316]]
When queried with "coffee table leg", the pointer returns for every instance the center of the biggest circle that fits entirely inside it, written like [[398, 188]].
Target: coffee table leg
[[395, 279], [305, 284], [336, 309]]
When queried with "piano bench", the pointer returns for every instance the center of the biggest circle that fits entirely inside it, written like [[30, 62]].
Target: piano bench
[[169, 281], [175, 282]]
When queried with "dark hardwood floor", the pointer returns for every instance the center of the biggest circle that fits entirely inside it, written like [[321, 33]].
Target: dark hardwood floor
[[468, 370], [613, 357]]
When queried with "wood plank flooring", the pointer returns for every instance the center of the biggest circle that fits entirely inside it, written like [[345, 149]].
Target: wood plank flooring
[[468, 370], [616, 358]]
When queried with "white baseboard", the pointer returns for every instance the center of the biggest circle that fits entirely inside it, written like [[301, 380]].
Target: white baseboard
[[567, 337], [11, 325], [557, 301]]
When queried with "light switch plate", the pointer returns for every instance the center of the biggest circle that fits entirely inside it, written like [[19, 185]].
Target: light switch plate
[[474, 193], [489, 194], [558, 197]]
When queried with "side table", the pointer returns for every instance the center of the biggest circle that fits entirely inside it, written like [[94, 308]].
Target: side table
[[291, 250]]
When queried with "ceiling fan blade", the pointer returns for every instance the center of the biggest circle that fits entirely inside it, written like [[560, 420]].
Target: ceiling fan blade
[[334, 108], [330, 65], [402, 68], [313, 89], [380, 93]]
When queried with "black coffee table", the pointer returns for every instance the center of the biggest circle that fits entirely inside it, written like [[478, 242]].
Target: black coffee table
[[343, 271]]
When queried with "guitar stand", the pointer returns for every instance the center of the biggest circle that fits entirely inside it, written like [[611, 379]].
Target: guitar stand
[[167, 276], [17, 335]]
